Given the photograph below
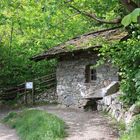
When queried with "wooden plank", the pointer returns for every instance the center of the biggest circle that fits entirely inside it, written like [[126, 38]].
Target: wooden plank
[[42, 84], [46, 76], [47, 81]]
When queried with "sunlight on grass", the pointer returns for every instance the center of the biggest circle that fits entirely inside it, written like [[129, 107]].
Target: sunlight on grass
[[36, 125]]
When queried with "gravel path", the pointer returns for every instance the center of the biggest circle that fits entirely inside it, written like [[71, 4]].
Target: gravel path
[[81, 125]]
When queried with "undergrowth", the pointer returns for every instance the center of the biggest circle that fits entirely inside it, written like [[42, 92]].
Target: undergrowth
[[119, 126], [133, 132]]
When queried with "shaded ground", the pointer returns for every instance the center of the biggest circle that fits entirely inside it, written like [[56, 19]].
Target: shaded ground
[[81, 125]]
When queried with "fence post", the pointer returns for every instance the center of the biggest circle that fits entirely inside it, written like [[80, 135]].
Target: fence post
[[25, 97], [33, 95]]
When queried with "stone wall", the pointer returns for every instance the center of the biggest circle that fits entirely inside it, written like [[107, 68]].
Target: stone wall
[[71, 86], [116, 109], [49, 96]]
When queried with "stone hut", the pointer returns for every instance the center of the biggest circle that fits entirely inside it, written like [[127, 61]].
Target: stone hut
[[76, 75]]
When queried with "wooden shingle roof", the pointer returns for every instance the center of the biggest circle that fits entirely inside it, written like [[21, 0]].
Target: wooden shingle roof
[[82, 43]]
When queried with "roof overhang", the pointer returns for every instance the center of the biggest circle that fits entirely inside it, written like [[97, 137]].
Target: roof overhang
[[82, 44]]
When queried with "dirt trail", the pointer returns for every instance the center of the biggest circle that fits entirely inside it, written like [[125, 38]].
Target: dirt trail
[[6, 133], [84, 125], [81, 125]]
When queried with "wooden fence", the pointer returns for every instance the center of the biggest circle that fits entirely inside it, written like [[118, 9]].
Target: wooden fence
[[40, 85]]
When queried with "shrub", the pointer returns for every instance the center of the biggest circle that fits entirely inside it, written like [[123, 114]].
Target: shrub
[[126, 55]]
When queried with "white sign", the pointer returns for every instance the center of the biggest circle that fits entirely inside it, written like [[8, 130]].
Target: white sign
[[29, 85]]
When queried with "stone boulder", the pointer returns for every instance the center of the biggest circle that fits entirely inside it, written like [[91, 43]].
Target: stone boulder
[[128, 117], [110, 89], [107, 100], [135, 109]]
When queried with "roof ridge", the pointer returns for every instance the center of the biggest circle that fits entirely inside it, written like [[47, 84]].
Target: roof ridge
[[64, 48], [86, 34], [94, 32]]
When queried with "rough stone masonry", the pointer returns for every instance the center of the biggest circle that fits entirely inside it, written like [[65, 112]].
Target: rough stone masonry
[[71, 80]]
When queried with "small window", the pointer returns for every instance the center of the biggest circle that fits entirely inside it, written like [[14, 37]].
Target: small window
[[93, 74], [90, 74]]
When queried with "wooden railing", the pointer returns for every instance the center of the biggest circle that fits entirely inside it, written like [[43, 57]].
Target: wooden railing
[[41, 85]]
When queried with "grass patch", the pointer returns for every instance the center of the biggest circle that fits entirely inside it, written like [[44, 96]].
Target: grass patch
[[133, 132], [36, 125]]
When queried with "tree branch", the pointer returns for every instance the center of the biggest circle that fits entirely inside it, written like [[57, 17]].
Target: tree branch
[[93, 16], [129, 4]]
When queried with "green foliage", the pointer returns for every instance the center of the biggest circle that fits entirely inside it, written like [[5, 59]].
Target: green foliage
[[11, 115], [36, 125], [17, 68], [131, 18], [126, 56], [137, 84], [28, 28], [133, 132]]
